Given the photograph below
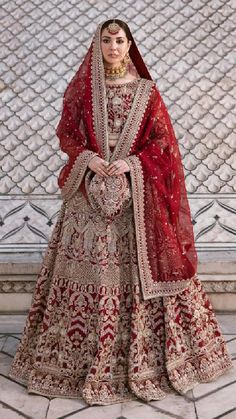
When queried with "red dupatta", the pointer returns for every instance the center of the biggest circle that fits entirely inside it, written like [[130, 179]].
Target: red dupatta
[[167, 257]]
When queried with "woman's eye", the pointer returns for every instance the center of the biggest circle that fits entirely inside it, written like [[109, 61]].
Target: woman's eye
[[120, 41], [105, 41]]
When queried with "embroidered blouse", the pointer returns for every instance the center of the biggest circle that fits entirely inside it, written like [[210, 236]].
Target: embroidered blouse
[[119, 98]]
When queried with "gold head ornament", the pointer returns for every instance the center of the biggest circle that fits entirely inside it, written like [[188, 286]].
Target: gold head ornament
[[113, 28]]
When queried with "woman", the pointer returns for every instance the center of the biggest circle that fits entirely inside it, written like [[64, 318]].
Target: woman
[[118, 312]]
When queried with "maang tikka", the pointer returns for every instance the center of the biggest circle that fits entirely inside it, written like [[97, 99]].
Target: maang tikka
[[113, 28]]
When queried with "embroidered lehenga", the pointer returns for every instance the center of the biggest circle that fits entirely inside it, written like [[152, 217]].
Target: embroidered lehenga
[[118, 311]]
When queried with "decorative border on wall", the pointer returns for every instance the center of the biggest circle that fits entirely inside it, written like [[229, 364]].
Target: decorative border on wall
[[214, 221], [220, 286], [26, 223], [27, 287], [17, 287]]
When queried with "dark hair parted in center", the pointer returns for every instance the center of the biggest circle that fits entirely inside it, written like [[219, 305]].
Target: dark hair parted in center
[[119, 22]]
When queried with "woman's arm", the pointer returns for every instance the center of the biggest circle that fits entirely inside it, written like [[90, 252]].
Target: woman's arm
[[73, 142]]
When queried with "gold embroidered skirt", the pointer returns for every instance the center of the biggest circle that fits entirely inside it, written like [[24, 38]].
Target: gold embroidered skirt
[[90, 334]]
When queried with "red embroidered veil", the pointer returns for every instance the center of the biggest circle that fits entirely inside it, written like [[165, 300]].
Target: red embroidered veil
[[167, 257]]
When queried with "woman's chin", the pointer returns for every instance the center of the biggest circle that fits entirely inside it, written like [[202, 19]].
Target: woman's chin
[[113, 62]]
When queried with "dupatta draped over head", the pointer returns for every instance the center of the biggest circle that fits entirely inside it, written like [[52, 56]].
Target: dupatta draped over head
[[167, 257]]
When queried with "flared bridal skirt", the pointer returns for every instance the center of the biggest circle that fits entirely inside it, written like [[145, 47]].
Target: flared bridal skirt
[[90, 334]]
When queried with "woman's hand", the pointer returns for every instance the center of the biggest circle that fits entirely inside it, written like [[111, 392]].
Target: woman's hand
[[117, 167], [98, 165]]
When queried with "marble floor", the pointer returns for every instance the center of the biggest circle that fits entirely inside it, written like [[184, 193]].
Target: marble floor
[[206, 401]]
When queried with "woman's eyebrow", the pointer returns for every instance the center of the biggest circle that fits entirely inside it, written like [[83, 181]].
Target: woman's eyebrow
[[109, 37]]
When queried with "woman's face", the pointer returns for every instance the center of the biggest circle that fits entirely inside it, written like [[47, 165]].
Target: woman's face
[[114, 47]]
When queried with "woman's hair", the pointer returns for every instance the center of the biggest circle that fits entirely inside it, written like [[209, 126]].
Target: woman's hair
[[122, 24]]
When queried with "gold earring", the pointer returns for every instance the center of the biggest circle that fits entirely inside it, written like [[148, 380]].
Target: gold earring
[[126, 59]]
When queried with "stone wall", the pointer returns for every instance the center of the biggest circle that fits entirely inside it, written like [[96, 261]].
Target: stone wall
[[188, 46]]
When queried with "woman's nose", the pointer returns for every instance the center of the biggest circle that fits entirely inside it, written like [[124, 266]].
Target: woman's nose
[[113, 46]]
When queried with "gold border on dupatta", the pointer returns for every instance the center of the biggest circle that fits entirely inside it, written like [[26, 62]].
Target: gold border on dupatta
[[76, 174], [150, 288], [99, 108]]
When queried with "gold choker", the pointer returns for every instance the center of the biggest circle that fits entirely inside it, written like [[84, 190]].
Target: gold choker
[[115, 73]]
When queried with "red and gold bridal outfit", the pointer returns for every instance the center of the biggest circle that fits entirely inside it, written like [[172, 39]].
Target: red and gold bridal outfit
[[118, 311]]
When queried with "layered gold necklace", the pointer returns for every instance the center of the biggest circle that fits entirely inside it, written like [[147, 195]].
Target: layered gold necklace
[[115, 73]]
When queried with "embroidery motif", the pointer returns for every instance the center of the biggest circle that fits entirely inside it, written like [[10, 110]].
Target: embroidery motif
[[119, 102], [109, 195]]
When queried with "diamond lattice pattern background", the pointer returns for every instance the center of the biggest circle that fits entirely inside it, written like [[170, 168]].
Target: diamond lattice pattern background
[[189, 48]]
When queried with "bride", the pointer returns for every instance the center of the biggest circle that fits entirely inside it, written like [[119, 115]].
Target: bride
[[118, 311]]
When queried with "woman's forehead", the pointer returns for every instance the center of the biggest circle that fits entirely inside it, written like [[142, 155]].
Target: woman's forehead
[[120, 34]]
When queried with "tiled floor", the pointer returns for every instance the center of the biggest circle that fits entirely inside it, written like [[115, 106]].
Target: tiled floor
[[215, 400]]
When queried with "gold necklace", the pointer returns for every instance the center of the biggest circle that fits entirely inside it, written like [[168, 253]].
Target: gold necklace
[[115, 73]]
